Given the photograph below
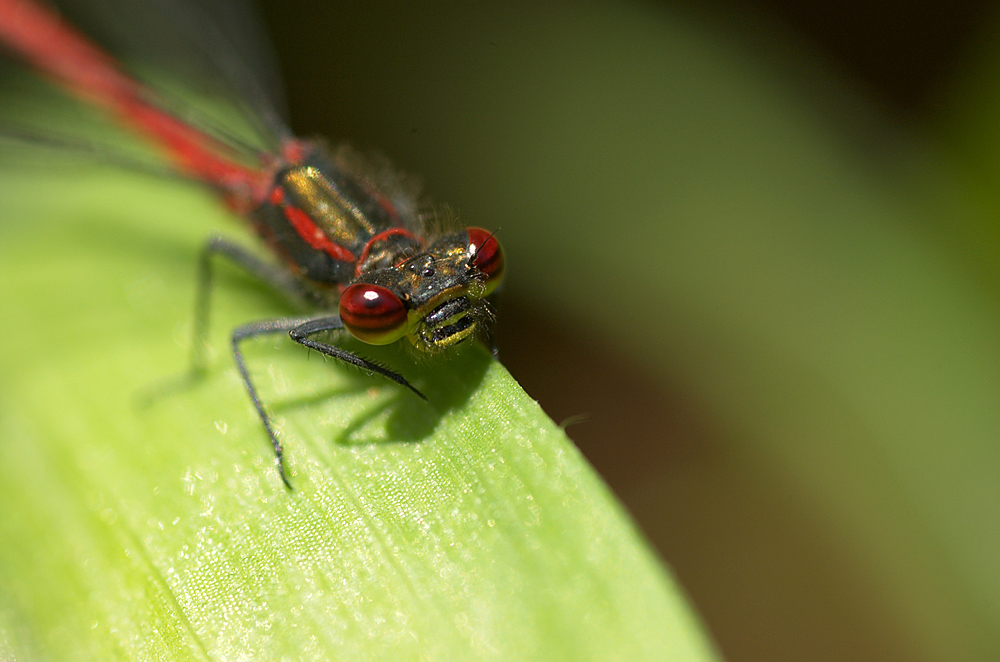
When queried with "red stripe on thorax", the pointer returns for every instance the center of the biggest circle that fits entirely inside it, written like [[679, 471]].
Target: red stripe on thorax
[[313, 235]]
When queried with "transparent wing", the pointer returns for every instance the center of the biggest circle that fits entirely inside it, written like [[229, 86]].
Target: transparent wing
[[209, 62]]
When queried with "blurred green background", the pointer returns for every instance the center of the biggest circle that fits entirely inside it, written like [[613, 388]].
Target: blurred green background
[[753, 261]]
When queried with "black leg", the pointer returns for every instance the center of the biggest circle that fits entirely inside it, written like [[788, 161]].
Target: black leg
[[253, 330], [485, 324], [299, 329], [301, 333], [280, 279]]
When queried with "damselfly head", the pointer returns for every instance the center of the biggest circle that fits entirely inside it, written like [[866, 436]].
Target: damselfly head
[[436, 298]]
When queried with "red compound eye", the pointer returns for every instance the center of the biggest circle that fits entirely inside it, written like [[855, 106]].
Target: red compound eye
[[486, 256], [373, 314]]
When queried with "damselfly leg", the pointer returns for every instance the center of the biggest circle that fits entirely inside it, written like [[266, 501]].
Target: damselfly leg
[[278, 278], [299, 329]]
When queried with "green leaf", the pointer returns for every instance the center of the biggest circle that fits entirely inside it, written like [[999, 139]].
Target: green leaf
[[143, 518]]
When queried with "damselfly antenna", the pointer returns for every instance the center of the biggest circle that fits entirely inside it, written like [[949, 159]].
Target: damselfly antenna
[[474, 256]]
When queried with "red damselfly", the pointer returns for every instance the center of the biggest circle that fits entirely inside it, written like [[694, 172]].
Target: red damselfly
[[347, 241]]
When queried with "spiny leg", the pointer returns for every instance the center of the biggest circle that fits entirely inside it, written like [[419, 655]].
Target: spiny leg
[[299, 329], [301, 333], [280, 279], [253, 330]]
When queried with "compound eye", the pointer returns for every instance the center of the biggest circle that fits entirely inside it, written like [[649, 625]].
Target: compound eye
[[486, 256], [373, 314]]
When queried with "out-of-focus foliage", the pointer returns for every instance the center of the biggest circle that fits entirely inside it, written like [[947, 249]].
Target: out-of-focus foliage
[[728, 209]]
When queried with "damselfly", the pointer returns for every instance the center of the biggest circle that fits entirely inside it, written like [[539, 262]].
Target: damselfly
[[347, 241]]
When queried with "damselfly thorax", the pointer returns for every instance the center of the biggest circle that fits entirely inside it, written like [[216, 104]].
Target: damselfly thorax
[[365, 248]]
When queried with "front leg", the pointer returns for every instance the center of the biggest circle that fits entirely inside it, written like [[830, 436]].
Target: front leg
[[253, 330], [299, 329], [301, 333]]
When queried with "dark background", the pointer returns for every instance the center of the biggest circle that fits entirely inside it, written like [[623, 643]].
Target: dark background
[[771, 582]]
